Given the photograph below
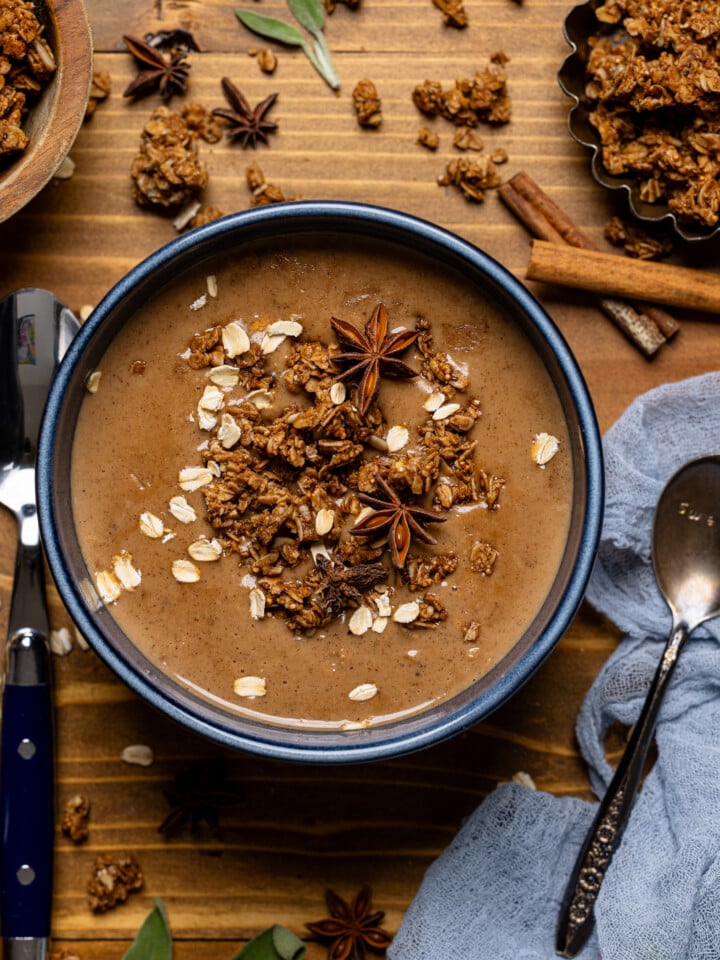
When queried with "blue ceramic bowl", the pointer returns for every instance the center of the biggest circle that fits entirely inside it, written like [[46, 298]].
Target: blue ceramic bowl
[[347, 221]]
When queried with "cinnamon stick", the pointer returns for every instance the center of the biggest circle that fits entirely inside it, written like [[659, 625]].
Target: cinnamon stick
[[547, 221], [611, 275]]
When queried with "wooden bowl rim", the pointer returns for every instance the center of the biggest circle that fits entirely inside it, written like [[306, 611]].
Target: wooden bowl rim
[[66, 96]]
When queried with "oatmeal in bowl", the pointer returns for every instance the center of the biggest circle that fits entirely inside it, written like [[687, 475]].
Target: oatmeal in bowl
[[322, 482]]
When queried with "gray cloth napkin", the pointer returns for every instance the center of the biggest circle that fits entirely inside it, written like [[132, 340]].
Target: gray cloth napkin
[[495, 893]]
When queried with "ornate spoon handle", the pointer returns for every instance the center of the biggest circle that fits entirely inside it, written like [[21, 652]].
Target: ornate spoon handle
[[577, 911]]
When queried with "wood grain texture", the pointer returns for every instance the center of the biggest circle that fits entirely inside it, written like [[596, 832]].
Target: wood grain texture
[[299, 829]]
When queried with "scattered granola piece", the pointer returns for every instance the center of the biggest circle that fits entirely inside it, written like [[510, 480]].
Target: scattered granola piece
[[543, 448], [99, 91], [330, 5], [379, 624], [250, 687], [270, 342], [471, 176], [483, 557], [92, 383], [167, 172], [366, 101], [364, 691], [205, 214], [637, 243], [428, 138], [267, 61], [114, 878], [472, 632], [75, 819], [262, 191], [482, 98], [185, 572], [466, 138], [60, 642], [85, 310], [138, 754], [453, 12], [199, 303]]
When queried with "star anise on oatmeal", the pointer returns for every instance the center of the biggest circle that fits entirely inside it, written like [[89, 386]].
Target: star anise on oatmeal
[[372, 353], [247, 124], [167, 75], [343, 586], [401, 521], [351, 929]]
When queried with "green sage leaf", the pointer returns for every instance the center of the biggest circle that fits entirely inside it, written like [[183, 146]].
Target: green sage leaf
[[271, 28], [309, 13], [153, 940], [275, 943], [324, 63]]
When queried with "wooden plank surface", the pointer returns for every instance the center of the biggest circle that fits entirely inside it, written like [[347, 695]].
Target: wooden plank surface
[[300, 829]]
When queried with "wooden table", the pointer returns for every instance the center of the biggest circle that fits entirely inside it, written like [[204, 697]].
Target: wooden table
[[301, 829]]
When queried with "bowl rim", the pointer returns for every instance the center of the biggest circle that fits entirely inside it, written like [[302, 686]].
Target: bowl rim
[[384, 740], [571, 79], [68, 93]]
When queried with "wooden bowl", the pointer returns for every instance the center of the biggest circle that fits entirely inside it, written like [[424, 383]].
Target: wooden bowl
[[54, 121]]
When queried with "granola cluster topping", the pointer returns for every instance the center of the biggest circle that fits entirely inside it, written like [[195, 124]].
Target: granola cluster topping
[[321, 497], [482, 98], [27, 64], [653, 78]]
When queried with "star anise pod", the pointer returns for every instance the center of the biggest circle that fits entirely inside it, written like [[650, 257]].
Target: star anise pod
[[401, 521], [247, 124], [343, 586], [168, 76], [372, 353], [198, 795], [351, 930]]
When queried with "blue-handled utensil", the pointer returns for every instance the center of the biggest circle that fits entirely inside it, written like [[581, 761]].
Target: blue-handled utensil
[[35, 330]]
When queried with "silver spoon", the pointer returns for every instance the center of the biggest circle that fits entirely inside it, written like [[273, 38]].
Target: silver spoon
[[35, 331], [686, 560]]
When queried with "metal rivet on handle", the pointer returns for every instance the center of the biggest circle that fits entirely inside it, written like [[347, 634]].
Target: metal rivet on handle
[[26, 749], [25, 875]]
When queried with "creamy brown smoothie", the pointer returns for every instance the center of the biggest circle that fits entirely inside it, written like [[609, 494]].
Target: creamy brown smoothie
[[328, 485]]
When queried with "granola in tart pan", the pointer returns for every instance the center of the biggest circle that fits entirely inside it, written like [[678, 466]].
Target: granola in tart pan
[[645, 80]]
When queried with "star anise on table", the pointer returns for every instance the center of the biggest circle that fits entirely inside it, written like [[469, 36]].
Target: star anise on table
[[401, 521], [168, 75], [343, 586], [372, 353], [351, 929], [198, 795], [247, 124]]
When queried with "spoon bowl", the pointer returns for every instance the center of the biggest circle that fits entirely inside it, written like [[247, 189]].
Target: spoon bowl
[[686, 561]]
